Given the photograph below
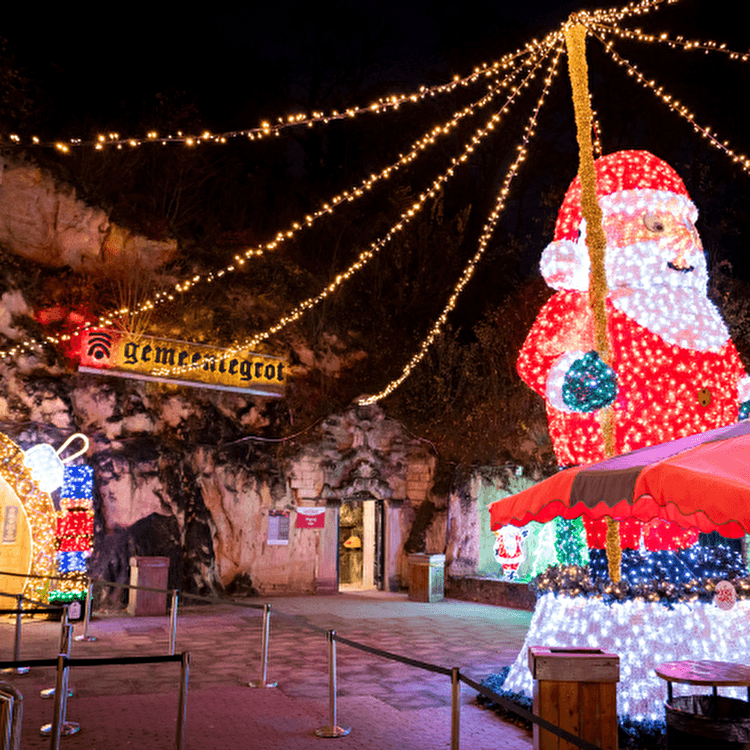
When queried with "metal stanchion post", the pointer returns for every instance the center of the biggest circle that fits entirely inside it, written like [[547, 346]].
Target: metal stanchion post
[[262, 682], [333, 729], [57, 716], [455, 708], [65, 647], [173, 621], [17, 641], [60, 725], [87, 615], [179, 742]]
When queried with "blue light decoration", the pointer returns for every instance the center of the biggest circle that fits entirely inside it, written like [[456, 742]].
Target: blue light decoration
[[77, 494], [78, 484]]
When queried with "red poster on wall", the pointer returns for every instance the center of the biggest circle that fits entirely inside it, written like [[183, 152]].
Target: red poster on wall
[[311, 518]]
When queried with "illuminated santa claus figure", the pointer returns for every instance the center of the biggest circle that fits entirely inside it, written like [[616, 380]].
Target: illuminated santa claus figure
[[673, 369], [508, 550]]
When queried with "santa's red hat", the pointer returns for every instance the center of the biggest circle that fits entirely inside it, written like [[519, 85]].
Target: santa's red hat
[[617, 175], [626, 182]]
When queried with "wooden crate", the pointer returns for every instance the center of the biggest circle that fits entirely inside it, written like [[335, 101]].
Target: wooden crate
[[575, 689]]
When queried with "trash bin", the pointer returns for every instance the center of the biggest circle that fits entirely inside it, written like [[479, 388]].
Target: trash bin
[[426, 577], [694, 719], [575, 689], [152, 572]]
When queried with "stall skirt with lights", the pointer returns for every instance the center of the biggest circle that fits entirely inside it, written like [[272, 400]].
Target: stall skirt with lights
[[643, 634]]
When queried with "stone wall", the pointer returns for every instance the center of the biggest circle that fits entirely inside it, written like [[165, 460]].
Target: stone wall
[[186, 473]]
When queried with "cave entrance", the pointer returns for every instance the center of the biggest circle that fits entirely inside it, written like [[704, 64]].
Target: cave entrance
[[360, 545]]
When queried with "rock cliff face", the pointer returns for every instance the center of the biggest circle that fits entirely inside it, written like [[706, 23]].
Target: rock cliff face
[[45, 222], [182, 473], [188, 473]]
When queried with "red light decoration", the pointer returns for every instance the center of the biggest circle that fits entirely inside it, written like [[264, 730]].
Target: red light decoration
[[676, 371]]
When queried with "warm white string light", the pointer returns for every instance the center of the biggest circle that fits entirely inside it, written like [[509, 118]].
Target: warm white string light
[[351, 195], [267, 128], [741, 159], [484, 239], [677, 42], [364, 257]]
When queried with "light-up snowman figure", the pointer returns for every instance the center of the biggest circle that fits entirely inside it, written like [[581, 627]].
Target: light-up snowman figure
[[674, 369]]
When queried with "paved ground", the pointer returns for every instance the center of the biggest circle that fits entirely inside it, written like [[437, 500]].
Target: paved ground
[[388, 705]]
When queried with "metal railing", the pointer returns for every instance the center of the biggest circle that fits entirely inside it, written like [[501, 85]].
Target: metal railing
[[332, 729], [63, 664], [11, 713]]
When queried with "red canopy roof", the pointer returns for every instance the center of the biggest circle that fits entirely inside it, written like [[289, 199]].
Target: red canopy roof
[[701, 481]]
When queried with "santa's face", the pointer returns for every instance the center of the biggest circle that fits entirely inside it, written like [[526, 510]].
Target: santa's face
[[653, 248]]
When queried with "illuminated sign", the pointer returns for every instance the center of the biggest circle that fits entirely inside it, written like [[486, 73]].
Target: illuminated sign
[[127, 355]]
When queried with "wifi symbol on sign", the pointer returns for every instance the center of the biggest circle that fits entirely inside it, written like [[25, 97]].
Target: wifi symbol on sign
[[100, 345]]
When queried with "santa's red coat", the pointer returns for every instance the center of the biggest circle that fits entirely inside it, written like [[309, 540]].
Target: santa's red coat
[[664, 391]]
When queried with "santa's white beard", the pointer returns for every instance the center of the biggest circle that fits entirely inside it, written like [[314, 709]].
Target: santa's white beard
[[683, 317], [670, 302]]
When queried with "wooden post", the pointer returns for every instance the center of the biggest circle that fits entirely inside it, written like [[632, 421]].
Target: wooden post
[[576, 689]]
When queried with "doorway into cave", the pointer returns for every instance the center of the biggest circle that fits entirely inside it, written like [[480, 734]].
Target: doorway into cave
[[360, 545]]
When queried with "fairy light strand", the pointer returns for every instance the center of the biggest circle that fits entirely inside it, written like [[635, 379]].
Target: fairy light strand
[[677, 107], [487, 232], [168, 295], [267, 128], [328, 207], [364, 257], [677, 42], [380, 106]]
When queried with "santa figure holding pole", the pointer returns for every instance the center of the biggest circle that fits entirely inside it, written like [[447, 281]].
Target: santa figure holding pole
[[672, 368]]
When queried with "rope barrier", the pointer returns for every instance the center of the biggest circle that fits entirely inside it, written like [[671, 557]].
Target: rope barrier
[[332, 637], [395, 657], [529, 716]]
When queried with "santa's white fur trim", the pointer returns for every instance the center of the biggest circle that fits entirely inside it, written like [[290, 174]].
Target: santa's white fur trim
[[743, 389], [635, 201]]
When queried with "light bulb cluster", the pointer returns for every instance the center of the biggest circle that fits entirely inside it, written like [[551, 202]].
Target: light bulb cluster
[[487, 232], [643, 634], [40, 513], [74, 534]]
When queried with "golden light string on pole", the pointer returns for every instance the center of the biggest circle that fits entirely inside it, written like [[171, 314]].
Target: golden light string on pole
[[677, 107], [596, 242], [376, 246], [484, 239], [417, 148]]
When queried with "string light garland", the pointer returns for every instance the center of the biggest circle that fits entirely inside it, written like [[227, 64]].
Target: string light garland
[[740, 159], [381, 105], [406, 217], [351, 195], [487, 232], [677, 42], [267, 129]]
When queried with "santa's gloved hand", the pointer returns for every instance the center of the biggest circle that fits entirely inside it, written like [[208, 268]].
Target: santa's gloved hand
[[589, 384], [744, 411]]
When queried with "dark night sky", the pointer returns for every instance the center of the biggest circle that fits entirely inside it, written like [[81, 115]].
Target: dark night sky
[[233, 65]]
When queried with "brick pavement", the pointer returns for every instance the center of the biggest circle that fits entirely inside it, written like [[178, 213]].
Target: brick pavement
[[387, 704]]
